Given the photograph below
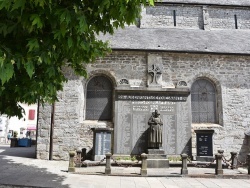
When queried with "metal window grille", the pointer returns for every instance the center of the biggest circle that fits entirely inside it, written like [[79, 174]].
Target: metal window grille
[[203, 100], [99, 99]]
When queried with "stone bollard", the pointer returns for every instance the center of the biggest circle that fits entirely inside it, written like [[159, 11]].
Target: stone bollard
[[79, 158], [71, 162], [108, 163], [248, 163], [220, 151], [218, 167], [184, 169], [234, 161], [144, 164]]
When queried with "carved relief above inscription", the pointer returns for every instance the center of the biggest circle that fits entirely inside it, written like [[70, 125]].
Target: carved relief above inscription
[[155, 69]]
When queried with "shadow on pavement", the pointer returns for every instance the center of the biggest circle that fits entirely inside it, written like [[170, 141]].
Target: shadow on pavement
[[19, 168], [27, 152]]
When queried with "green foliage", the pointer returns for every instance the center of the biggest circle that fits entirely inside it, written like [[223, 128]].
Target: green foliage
[[40, 37], [174, 158]]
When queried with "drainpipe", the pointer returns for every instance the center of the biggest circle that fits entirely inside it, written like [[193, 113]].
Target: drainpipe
[[51, 131], [37, 121]]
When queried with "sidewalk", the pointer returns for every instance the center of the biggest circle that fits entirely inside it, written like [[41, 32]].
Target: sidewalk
[[19, 169]]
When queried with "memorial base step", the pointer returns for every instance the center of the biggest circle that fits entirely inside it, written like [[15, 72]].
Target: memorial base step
[[156, 151], [205, 158], [156, 156], [157, 163]]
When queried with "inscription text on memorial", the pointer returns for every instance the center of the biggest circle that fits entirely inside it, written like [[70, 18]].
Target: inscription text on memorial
[[131, 121]]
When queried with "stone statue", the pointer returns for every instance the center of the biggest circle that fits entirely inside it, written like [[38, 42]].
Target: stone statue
[[155, 131]]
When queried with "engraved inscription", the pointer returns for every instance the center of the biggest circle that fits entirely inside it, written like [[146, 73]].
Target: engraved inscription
[[134, 110], [102, 143], [183, 127], [167, 109], [141, 97], [140, 108], [139, 136], [204, 144], [170, 134]]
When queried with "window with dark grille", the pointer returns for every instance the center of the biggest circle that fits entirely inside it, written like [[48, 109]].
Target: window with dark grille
[[99, 99], [203, 100]]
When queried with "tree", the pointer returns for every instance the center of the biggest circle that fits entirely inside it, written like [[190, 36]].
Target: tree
[[40, 37]]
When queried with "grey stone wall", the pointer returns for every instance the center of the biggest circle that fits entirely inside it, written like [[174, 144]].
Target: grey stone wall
[[163, 17], [128, 69], [231, 75], [211, 2], [43, 132], [195, 17]]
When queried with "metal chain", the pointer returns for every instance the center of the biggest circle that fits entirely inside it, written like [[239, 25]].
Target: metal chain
[[225, 160], [200, 166], [126, 166], [93, 164], [241, 163]]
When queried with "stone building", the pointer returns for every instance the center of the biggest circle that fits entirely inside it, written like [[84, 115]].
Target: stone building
[[190, 59]]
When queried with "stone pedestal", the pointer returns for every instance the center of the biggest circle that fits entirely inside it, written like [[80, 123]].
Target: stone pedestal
[[157, 159]]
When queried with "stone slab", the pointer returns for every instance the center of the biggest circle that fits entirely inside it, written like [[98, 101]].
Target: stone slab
[[157, 156], [156, 151], [134, 109], [158, 163], [205, 158]]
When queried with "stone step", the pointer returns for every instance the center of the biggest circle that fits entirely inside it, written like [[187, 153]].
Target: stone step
[[157, 163], [156, 156], [156, 151]]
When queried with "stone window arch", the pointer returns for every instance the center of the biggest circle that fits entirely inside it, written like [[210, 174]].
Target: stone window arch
[[204, 101], [99, 98]]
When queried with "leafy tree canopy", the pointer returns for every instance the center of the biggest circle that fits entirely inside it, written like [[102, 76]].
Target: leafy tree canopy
[[40, 37]]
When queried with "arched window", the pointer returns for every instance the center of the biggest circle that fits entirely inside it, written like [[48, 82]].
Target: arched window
[[203, 100], [99, 99]]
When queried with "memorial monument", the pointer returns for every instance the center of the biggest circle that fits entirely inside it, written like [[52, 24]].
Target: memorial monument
[[156, 155], [155, 131]]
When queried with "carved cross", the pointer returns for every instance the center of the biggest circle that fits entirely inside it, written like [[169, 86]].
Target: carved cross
[[155, 72]]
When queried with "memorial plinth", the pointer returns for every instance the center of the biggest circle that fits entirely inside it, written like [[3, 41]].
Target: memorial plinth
[[157, 159], [102, 142]]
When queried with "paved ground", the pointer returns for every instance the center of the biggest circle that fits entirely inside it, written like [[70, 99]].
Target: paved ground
[[18, 168]]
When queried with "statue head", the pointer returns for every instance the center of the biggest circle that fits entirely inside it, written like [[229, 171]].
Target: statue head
[[157, 113]]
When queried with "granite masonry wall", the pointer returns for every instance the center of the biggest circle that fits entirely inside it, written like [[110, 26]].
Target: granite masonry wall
[[230, 74], [195, 17]]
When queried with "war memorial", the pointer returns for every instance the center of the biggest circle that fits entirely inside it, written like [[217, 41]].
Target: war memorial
[[176, 82]]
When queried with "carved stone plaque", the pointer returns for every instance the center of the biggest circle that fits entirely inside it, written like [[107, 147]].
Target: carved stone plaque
[[102, 142], [155, 69], [204, 142], [131, 121]]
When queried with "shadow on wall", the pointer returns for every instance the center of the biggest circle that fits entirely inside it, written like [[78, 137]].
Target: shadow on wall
[[141, 144], [245, 149], [17, 170]]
